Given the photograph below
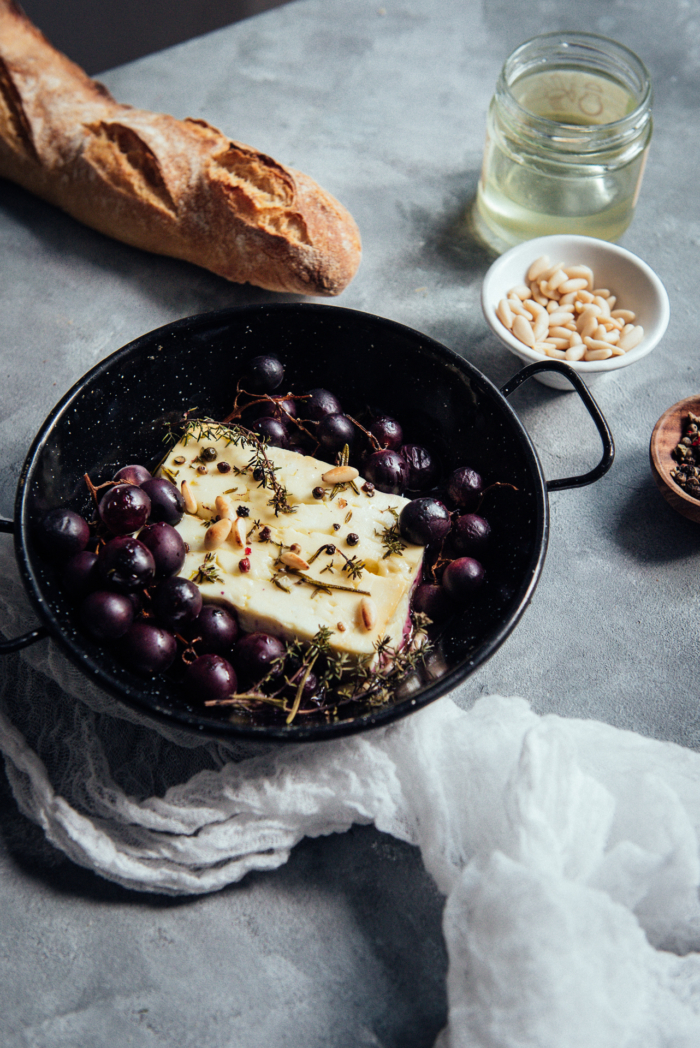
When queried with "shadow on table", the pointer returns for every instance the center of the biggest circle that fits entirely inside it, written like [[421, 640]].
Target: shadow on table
[[649, 530], [177, 288]]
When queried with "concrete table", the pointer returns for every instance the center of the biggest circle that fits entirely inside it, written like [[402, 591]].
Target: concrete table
[[385, 107]]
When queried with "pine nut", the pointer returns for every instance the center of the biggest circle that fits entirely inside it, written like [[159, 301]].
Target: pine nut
[[617, 352], [580, 271], [576, 284], [224, 508], [602, 291], [368, 613], [559, 332], [560, 317], [238, 531], [555, 282], [596, 343], [632, 338], [612, 337], [575, 352], [547, 273], [600, 333], [537, 294], [293, 560], [558, 343], [584, 296], [558, 354], [534, 308], [612, 299], [522, 329], [568, 299], [521, 291], [575, 339], [599, 354], [517, 308], [623, 314], [190, 500], [344, 474], [587, 329], [217, 534], [541, 326], [542, 347], [603, 303], [504, 313], [538, 267]]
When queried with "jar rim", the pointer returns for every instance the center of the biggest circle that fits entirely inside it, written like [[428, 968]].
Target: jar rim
[[597, 52]]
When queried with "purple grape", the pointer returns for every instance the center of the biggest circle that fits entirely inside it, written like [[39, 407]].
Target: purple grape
[[148, 649], [124, 509], [281, 409], [215, 630], [464, 487], [176, 602], [320, 404], [80, 575], [210, 677], [310, 684], [132, 475], [167, 547], [387, 431], [387, 471], [432, 601], [422, 468], [335, 431], [105, 615], [273, 429], [264, 373], [471, 534], [167, 503], [423, 521], [63, 533], [125, 564], [462, 578], [255, 653]]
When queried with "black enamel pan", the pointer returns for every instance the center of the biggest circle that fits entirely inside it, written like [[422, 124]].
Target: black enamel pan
[[118, 413]]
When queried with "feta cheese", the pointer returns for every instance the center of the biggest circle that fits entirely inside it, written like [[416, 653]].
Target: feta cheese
[[271, 596]]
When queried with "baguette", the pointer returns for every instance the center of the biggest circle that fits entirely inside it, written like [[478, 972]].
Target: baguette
[[174, 187]]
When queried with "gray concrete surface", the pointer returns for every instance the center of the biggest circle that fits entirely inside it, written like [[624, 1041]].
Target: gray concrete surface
[[384, 104]]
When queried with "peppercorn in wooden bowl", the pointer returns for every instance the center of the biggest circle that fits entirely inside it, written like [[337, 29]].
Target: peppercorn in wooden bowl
[[668, 433]]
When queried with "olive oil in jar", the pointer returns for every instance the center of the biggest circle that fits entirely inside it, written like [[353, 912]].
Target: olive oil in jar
[[567, 135]]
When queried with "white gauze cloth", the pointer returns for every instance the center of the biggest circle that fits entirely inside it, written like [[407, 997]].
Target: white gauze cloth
[[567, 850]]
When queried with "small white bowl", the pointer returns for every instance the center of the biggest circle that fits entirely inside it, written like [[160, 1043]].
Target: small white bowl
[[635, 284]]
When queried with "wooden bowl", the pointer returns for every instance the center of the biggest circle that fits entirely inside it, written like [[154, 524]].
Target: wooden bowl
[[664, 438]]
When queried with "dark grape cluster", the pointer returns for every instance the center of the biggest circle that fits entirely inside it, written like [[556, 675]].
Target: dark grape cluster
[[122, 570]]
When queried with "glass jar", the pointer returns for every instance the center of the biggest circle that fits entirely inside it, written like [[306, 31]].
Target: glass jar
[[567, 136]]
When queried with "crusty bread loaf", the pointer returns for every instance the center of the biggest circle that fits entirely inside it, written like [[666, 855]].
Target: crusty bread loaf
[[175, 187]]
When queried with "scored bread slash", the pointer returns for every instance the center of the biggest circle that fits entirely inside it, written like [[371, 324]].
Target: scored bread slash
[[217, 534], [340, 475], [368, 613]]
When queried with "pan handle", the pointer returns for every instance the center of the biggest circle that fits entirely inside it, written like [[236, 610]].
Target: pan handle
[[592, 408], [25, 639]]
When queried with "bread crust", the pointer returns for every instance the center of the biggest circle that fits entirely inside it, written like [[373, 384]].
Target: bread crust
[[174, 187]]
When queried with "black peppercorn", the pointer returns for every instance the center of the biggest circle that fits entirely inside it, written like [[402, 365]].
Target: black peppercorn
[[265, 534], [242, 511], [330, 549], [318, 493], [336, 527], [259, 473], [223, 467], [208, 454], [368, 488], [352, 539]]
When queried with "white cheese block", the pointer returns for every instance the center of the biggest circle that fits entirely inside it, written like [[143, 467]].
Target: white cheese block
[[291, 607]]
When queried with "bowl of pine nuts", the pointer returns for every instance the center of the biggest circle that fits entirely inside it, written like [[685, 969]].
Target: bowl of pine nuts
[[588, 302]]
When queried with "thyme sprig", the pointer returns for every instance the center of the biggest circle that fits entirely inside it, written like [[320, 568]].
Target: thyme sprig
[[260, 465], [208, 571], [391, 537]]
